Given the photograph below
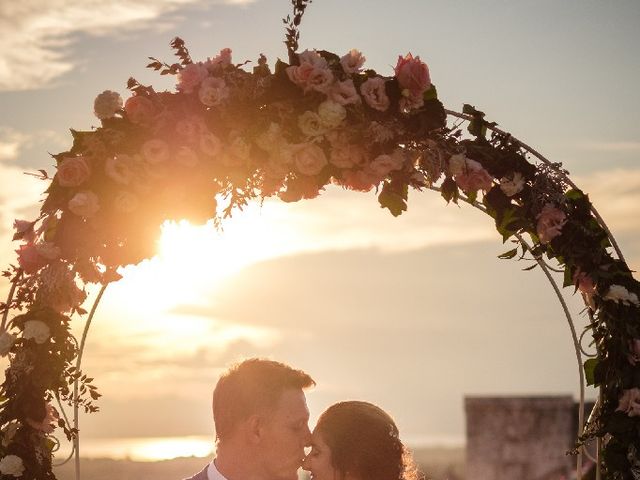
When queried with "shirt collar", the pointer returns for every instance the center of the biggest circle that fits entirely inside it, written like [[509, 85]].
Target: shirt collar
[[213, 473]]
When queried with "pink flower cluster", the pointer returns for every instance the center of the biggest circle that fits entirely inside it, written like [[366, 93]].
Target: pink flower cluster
[[550, 222]]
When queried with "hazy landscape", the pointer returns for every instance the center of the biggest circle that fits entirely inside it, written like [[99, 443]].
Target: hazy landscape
[[438, 463]]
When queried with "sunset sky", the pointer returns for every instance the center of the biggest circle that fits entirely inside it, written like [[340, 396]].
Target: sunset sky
[[411, 313]]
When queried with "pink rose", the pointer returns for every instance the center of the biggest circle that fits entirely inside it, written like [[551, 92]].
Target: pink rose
[[352, 62], [210, 145], [300, 74], [155, 151], [219, 62], [313, 73], [84, 204], [348, 156], [308, 158], [320, 80], [29, 259], [24, 230], [413, 75], [550, 223], [118, 169], [190, 127], [629, 402], [382, 165], [73, 171], [374, 93], [358, 180], [586, 286], [48, 423], [139, 109], [313, 58], [191, 76], [344, 93], [473, 177]]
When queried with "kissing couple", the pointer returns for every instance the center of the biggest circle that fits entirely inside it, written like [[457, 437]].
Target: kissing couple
[[261, 421]]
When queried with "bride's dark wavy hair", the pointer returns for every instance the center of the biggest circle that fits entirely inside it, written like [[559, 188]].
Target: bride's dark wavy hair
[[364, 442]]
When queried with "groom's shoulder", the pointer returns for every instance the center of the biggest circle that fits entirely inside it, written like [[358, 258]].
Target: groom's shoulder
[[200, 476]]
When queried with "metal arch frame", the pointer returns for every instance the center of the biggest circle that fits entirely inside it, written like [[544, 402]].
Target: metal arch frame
[[579, 351]]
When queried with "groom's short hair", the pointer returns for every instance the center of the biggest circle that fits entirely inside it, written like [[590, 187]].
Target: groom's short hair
[[250, 387]]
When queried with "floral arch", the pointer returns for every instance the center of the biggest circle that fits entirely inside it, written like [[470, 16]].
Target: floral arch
[[227, 136]]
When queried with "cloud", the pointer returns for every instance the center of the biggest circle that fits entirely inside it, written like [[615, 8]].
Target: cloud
[[11, 142], [38, 33]]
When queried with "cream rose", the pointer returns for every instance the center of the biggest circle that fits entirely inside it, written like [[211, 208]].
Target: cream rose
[[331, 113], [308, 158], [84, 204], [37, 330], [187, 157], [374, 93], [107, 104], [618, 293], [512, 185], [117, 168], [213, 91], [126, 202], [12, 465], [311, 124], [73, 171], [6, 342], [155, 151]]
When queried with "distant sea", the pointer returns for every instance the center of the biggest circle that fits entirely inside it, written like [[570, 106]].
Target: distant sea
[[153, 449]]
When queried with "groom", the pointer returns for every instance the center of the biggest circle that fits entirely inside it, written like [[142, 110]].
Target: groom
[[260, 415]]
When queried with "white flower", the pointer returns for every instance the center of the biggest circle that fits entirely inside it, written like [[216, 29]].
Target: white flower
[[457, 164], [12, 465], [6, 342], [37, 330], [117, 168], [48, 250], [155, 151], [126, 202], [618, 293], [311, 124], [187, 157], [512, 186], [213, 91], [331, 113], [84, 204], [210, 144], [107, 104]]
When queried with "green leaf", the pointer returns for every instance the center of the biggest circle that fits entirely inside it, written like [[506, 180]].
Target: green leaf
[[568, 277], [590, 369], [574, 194], [393, 200], [530, 267], [449, 190], [430, 94], [510, 254]]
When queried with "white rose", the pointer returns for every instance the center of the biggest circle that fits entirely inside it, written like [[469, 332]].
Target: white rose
[[117, 168], [6, 342], [512, 186], [210, 144], [84, 204], [618, 293], [187, 157], [12, 465], [126, 202], [213, 91], [311, 124], [383, 164], [331, 113], [457, 164], [107, 104], [48, 250], [37, 330], [155, 151]]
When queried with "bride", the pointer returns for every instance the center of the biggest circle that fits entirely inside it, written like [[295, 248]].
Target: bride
[[356, 440]]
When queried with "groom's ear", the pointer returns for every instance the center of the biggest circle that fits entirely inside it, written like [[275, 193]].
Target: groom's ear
[[255, 428]]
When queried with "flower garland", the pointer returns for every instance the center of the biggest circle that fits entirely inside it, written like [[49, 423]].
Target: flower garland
[[231, 135]]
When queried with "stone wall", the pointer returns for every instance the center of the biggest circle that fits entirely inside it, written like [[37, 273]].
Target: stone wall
[[523, 438]]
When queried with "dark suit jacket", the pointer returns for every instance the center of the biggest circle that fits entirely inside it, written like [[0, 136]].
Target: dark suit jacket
[[200, 476]]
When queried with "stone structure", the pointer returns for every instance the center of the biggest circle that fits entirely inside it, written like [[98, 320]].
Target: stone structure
[[523, 438]]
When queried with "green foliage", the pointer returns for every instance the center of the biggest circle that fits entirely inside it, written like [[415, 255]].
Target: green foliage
[[394, 197]]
